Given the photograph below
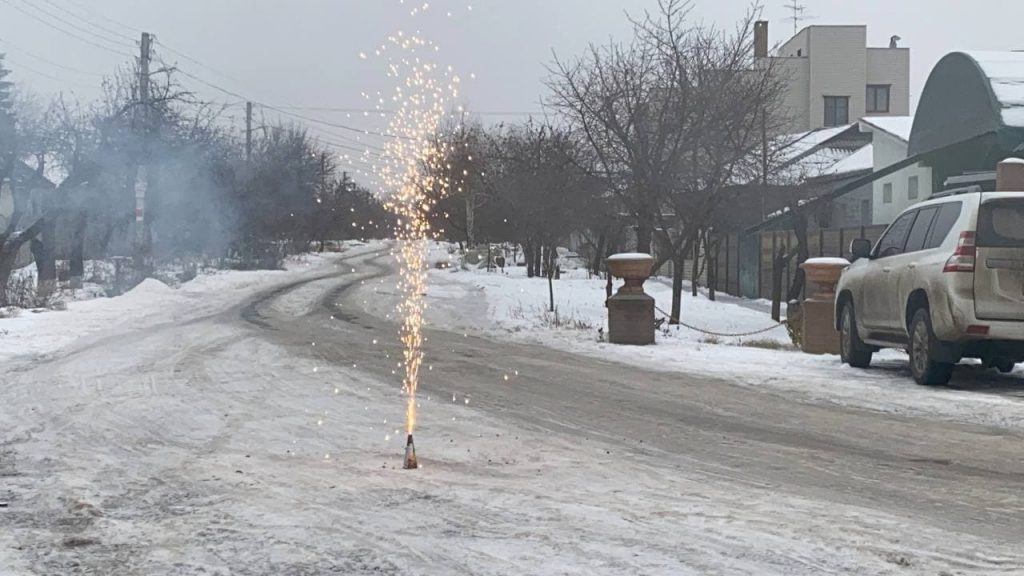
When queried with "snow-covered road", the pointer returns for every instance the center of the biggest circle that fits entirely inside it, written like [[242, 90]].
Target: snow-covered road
[[259, 433]]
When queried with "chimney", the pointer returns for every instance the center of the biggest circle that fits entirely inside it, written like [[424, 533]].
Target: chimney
[[1010, 175], [761, 39]]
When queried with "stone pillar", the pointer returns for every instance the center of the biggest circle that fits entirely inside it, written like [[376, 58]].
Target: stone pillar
[[1010, 175], [631, 310], [819, 327]]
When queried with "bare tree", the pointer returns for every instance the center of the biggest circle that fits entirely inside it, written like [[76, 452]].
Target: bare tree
[[675, 118], [542, 184]]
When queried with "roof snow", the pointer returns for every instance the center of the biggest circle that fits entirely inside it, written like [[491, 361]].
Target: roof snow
[[1005, 72], [898, 126], [862, 159], [810, 155]]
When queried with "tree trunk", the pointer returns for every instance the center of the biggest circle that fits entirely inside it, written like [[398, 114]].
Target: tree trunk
[[803, 253], [44, 252], [608, 289], [644, 234], [470, 218], [695, 270], [551, 253], [778, 264], [6, 267], [531, 268], [538, 259], [595, 267], [9, 250], [77, 256], [711, 258], [678, 271]]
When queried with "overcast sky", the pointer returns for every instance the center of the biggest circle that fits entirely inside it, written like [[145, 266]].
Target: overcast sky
[[305, 53]]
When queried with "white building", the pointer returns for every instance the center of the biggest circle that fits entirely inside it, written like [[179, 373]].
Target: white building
[[834, 78], [895, 192]]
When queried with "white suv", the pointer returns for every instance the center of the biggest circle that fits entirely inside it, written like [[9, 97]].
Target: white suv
[[945, 281]]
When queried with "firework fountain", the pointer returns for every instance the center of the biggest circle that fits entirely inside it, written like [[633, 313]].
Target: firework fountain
[[412, 165]]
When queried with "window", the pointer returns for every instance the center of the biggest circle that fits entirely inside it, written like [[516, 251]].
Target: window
[[878, 99], [887, 193], [895, 237], [1001, 224], [913, 187], [948, 215], [919, 233], [837, 111]]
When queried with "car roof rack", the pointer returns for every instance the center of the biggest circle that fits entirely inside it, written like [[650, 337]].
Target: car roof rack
[[975, 189]]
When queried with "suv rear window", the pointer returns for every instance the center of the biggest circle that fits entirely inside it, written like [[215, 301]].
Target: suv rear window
[[1001, 224]]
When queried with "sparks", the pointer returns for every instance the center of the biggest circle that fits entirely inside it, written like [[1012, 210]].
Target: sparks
[[411, 160]]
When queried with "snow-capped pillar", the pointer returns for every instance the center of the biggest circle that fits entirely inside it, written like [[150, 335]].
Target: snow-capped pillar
[[819, 334], [631, 310]]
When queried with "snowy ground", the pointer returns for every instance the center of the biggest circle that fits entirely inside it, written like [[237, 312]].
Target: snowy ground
[[167, 436], [509, 305], [32, 334]]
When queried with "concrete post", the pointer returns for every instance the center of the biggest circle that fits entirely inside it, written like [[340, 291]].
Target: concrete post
[[819, 328], [631, 310]]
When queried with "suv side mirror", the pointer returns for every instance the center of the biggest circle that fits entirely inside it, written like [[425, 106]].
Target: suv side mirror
[[860, 248]]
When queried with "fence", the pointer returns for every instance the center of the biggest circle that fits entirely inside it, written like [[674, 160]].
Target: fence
[[742, 264]]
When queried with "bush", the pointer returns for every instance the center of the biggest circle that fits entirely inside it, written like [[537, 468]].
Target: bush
[[795, 323], [22, 293], [765, 344]]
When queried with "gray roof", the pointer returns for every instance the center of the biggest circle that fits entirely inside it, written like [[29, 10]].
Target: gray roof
[[969, 95]]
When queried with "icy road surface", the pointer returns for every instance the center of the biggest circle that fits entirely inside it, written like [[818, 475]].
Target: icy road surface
[[263, 437]]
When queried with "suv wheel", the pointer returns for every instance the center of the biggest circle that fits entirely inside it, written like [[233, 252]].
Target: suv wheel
[[852, 350], [925, 369], [1003, 365]]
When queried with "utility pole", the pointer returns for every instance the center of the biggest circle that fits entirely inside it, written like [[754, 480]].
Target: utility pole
[[141, 177], [248, 131]]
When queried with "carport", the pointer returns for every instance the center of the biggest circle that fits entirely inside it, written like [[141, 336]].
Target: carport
[[971, 114]]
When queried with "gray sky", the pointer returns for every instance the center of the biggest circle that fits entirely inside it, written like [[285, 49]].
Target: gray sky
[[305, 52]]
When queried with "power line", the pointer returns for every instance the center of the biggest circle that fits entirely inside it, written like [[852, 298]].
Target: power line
[[281, 110], [332, 124], [103, 16], [17, 67], [89, 21], [17, 48], [75, 26], [198, 62], [61, 30]]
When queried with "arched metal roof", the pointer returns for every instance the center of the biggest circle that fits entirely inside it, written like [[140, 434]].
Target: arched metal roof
[[968, 95]]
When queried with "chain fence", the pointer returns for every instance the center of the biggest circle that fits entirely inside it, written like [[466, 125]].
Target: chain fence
[[723, 334]]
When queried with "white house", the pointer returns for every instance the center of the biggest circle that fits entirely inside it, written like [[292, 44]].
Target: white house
[[897, 191], [834, 78]]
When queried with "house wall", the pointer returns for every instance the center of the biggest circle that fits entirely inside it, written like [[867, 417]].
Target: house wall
[[796, 102], [854, 209], [891, 66], [888, 151], [835, 61], [838, 68], [798, 46]]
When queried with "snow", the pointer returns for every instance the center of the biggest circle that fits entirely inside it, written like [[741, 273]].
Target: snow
[[514, 307], [630, 256], [31, 334], [898, 126], [183, 443], [829, 261], [1005, 71], [862, 159], [809, 155]]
